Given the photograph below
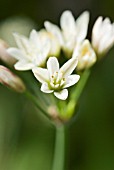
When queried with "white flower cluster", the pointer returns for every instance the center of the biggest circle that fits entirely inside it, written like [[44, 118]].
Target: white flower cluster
[[40, 51]]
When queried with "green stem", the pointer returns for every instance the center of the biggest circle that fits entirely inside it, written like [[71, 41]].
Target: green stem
[[75, 95], [80, 86], [59, 152]]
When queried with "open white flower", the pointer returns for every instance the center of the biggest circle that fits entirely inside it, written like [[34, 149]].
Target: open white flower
[[71, 31], [55, 79], [86, 55], [102, 35], [30, 52]]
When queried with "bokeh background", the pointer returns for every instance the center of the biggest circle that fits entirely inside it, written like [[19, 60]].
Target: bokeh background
[[26, 139]]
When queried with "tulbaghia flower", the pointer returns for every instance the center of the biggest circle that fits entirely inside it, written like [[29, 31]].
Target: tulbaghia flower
[[30, 52], [55, 46], [71, 31], [55, 79], [86, 55], [102, 35], [10, 80]]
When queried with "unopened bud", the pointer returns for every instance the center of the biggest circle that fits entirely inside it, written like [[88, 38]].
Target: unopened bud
[[102, 36], [4, 56], [11, 80], [53, 112], [86, 55]]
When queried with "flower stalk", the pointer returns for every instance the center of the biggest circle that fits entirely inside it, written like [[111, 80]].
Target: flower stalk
[[80, 86], [59, 152]]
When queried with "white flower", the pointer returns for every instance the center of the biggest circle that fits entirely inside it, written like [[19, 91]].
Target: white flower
[[102, 35], [55, 46], [86, 55], [30, 52], [71, 31], [55, 79]]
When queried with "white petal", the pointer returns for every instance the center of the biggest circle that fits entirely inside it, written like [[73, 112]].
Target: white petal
[[97, 28], [76, 50], [54, 30], [34, 38], [41, 74], [45, 88], [62, 95], [39, 60], [52, 65], [23, 65], [45, 49], [106, 22], [82, 26], [71, 80], [67, 22], [69, 67], [16, 53], [22, 42], [107, 39]]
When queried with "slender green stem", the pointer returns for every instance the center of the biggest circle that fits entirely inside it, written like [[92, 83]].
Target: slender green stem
[[80, 86], [59, 152], [75, 95]]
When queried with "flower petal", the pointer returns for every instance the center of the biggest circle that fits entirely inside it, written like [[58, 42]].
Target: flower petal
[[67, 22], [16, 53], [107, 38], [82, 26], [76, 50], [71, 80], [23, 65], [52, 28], [52, 65], [62, 95], [69, 67], [45, 88], [41, 74], [45, 49], [96, 32], [41, 44], [22, 42], [34, 39]]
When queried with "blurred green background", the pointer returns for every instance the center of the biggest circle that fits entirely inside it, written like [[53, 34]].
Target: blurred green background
[[26, 139]]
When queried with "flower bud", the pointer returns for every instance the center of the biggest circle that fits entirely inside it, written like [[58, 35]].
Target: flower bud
[[53, 111], [102, 36], [86, 55], [10, 80], [4, 56]]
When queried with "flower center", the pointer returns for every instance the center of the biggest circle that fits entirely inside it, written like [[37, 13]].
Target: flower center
[[57, 81]]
